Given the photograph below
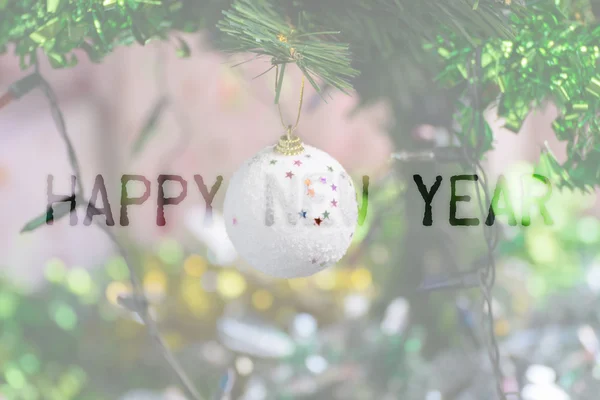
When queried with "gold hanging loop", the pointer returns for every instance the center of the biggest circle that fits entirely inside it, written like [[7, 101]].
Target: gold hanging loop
[[290, 144]]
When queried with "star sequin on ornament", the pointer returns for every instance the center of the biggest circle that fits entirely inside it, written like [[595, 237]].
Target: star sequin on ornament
[[289, 174], [273, 162], [311, 192], [307, 182], [308, 156], [334, 203], [234, 221], [330, 169], [302, 214], [333, 187], [323, 180], [326, 215], [318, 221], [298, 163]]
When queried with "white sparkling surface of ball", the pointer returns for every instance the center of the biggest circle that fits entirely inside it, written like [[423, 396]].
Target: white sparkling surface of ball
[[291, 216]]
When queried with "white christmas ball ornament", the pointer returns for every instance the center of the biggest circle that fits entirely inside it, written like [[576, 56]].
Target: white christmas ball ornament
[[291, 215]]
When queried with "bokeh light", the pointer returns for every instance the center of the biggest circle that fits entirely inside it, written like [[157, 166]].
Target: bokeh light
[[170, 252], [230, 284], [8, 304], [116, 289], [195, 265], [117, 269], [79, 281], [262, 300], [64, 315], [361, 279], [155, 282], [55, 270]]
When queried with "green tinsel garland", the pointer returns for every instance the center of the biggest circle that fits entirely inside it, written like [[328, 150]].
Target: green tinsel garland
[[553, 58], [97, 27]]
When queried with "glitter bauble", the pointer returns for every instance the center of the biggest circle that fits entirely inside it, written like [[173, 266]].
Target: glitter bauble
[[291, 215]]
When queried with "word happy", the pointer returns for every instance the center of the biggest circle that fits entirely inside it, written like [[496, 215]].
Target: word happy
[[99, 190]]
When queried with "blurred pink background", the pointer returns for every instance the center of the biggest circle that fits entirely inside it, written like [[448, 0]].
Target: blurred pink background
[[218, 116]]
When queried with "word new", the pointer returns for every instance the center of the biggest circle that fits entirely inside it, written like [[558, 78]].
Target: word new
[[500, 192]]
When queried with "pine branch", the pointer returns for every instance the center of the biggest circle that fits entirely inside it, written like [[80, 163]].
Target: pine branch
[[255, 27]]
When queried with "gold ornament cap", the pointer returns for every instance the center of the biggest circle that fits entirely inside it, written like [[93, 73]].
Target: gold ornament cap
[[290, 145]]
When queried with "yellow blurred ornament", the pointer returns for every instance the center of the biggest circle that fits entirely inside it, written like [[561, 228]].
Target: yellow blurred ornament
[[262, 300], [195, 265], [361, 279], [155, 283], [230, 284], [116, 289], [325, 280]]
